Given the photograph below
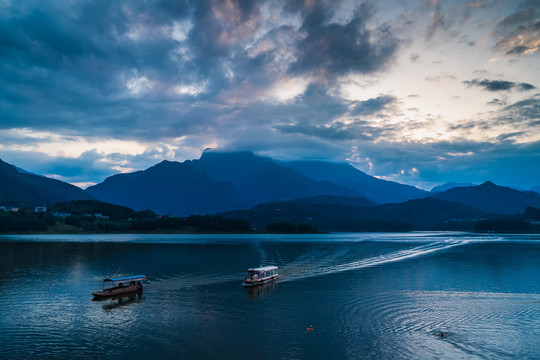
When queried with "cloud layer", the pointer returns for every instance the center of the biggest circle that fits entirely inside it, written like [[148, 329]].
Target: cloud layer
[[89, 89]]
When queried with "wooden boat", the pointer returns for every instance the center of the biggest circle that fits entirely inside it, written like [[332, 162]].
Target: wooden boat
[[260, 275], [120, 285]]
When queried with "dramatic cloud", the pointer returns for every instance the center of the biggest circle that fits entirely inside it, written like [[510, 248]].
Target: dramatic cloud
[[331, 49], [520, 32], [93, 88]]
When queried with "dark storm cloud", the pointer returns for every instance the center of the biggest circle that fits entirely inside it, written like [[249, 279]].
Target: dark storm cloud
[[217, 32], [111, 68], [174, 74], [70, 71], [332, 49], [499, 85]]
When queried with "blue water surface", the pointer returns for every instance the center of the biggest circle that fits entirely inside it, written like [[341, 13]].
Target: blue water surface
[[372, 296]]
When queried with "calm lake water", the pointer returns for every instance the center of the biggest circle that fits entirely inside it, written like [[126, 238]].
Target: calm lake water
[[371, 296]]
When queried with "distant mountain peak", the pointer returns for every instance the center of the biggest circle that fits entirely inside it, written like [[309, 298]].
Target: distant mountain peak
[[492, 198], [489, 184]]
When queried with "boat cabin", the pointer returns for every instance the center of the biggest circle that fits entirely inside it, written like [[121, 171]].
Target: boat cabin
[[261, 275], [121, 285], [125, 281]]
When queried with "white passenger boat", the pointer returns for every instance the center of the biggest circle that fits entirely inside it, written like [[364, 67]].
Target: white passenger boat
[[260, 275], [120, 286]]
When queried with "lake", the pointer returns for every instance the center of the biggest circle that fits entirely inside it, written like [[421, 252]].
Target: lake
[[367, 296]]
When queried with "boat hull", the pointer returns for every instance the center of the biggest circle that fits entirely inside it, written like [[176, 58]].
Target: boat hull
[[248, 283], [117, 291]]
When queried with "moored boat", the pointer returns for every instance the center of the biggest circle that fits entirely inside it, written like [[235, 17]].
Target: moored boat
[[120, 285], [261, 275]]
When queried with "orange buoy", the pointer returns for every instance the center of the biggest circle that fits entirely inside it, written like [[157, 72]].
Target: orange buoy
[[310, 328]]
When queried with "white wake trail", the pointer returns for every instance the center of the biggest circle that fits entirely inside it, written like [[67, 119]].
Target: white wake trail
[[376, 260]]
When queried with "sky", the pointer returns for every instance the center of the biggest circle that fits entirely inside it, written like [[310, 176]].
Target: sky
[[420, 92]]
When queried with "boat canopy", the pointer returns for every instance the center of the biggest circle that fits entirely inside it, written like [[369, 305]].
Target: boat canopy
[[264, 268], [126, 278]]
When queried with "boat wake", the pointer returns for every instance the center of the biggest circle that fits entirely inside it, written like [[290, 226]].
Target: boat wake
[[296, 272], [310, 264]]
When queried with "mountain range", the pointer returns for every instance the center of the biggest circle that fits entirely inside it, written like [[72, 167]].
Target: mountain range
[[262, 190], [492, 198], [334, 213], [240, 180], [19, 188]]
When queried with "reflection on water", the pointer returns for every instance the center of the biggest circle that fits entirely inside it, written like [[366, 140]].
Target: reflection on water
[[379, 296], [112, 302], [259, 291]]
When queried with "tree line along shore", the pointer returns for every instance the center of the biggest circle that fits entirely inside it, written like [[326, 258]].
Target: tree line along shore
[[89, 216]]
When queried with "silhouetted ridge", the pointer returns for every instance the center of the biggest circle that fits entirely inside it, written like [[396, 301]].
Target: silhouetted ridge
[[224, 181], [346, 175], [259, 179], [342, 214], [168, 188], [492, 198], [24, 189]]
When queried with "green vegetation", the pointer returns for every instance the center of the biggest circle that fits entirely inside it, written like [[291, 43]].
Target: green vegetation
[[93, 208], [526, 223], [25, 220], [532, 213], [88, 216]]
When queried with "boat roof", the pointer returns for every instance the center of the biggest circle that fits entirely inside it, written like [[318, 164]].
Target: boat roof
[[127, 278], [263, 268]]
